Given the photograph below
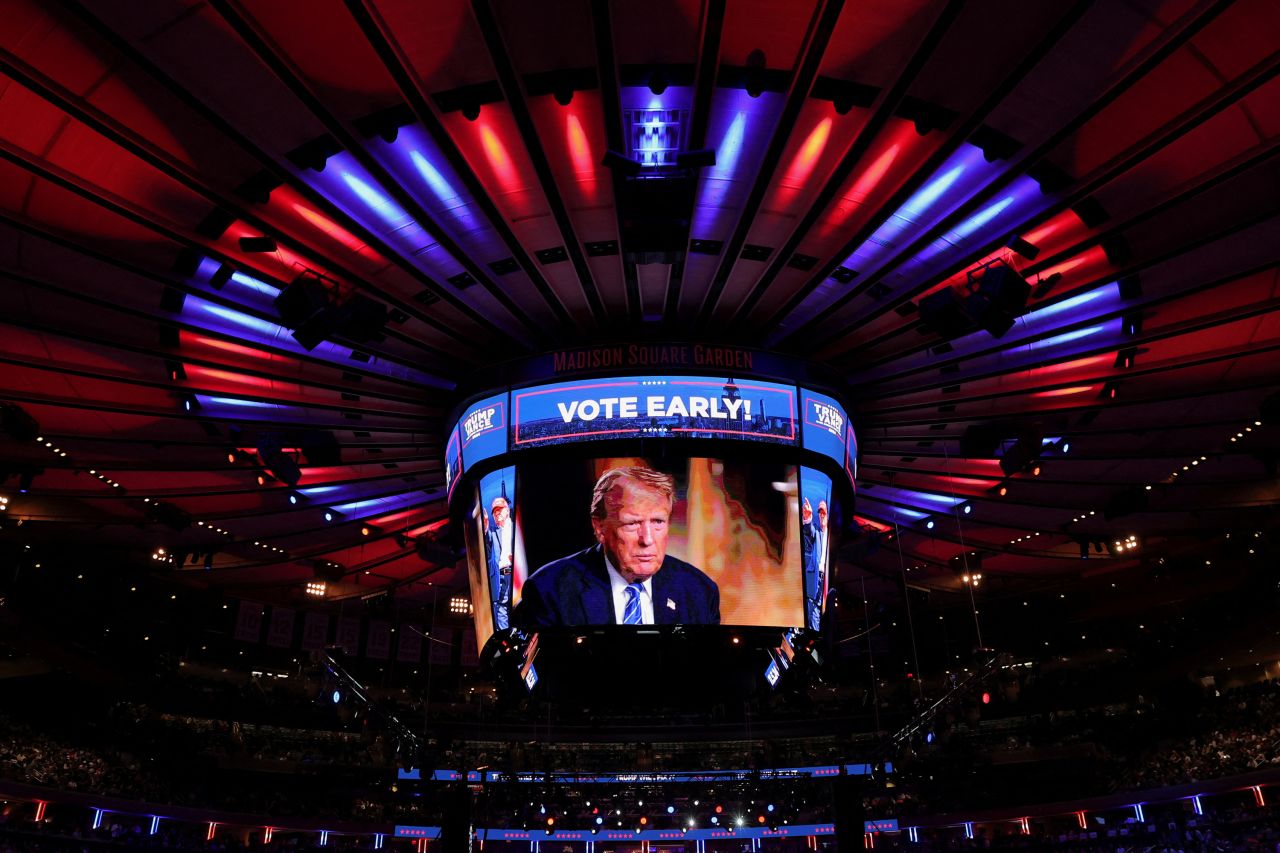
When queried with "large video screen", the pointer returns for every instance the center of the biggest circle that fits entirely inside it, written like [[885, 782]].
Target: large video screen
[[632, 541]]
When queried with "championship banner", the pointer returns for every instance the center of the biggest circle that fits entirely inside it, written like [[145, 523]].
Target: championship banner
[[315, 631], [378, 644], [409, 649], [349, 634], [654, 406], [249, 622], [280, 633]]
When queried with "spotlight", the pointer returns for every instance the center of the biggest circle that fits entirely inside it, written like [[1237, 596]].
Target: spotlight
[[702, 158], [189, 402], [220, 277], [169, 515], [257, 244], [294, 497], [657, 81], [1023, 248], [19, 425], [929, 524], [332, 514], [279, 464], [620, 163], [968, 508]]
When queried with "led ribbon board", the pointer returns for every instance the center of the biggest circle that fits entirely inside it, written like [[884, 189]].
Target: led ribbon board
[[649, 406]]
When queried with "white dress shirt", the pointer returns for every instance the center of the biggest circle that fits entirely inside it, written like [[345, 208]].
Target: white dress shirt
[[618, 584]]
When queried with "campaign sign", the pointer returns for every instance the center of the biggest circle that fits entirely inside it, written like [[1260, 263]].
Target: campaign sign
[[452, 462], [654, 406], [824, 427], [482, 429]]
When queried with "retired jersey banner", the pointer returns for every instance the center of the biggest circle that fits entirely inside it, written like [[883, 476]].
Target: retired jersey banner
[[349, 634], [654, 406], [315, 631], [249, 622], [439, 651], [409, 649], [378, 644], [280, 634]]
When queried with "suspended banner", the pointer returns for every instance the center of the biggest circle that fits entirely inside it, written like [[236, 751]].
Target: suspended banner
[[249, 622], [315, 631], [409, 649], [378, 644], [349, 634], [280, 633]]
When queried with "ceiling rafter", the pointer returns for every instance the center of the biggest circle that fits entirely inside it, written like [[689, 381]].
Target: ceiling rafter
[[821, 26], [393, 61]]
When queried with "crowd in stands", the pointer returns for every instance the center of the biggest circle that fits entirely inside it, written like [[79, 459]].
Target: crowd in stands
[[1238, 732], [137, 752]]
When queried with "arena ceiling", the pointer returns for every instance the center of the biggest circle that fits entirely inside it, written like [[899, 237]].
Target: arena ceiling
[[445, 159]]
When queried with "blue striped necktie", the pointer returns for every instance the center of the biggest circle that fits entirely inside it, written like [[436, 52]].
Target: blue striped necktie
[[632, 614]]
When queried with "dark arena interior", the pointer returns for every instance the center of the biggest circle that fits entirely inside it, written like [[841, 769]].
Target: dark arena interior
[[639, 426]]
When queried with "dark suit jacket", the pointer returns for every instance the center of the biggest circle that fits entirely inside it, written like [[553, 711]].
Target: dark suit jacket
[[575, 590]]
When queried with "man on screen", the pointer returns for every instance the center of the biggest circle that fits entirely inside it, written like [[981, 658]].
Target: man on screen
[[627, 577], [500, 535], [814, 544]]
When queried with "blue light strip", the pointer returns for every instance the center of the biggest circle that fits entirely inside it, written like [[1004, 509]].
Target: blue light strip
[[537, 836], [1073, 302], [887, 512], [815, 771], [927, 501], [97, 818], [250, 330], [1137, 813], [155, 824], [355, 508], [206, 401], [1196, 805]]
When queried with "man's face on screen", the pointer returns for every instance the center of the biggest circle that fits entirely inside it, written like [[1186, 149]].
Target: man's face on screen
[[634, 534]]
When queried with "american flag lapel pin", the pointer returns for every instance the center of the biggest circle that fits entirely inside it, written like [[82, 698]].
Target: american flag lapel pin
[[671, 605]]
